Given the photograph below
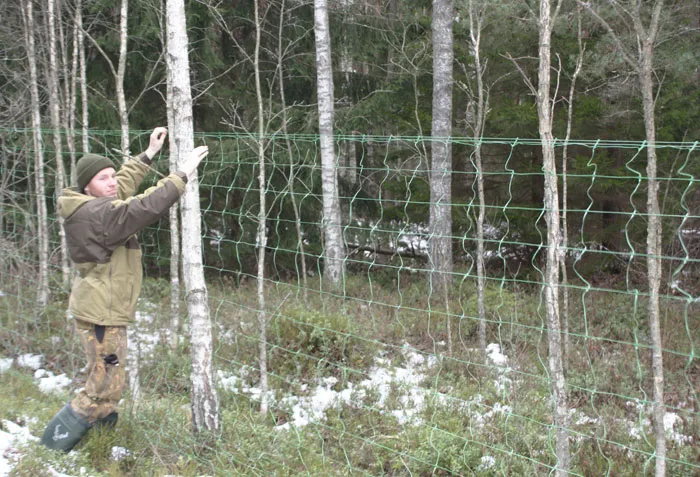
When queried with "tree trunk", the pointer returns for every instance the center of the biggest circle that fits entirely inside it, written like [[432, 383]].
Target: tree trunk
[[475, 25], [643, 64], [174, 240], [261, 240], [205, 401], [441, 152], [71, 94], [334, 253], [646, 80], [121, 71], [55, 107], [551, 203], [565, 198], [83, 83], [295, 208], [39, 182]]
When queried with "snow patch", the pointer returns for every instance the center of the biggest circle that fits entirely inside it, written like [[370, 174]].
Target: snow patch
[[120, 453], [12, 435], [48, 383], [29, 360], [5, 364], [487, 462]]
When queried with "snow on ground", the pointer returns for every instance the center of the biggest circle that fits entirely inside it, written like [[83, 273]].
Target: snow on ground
[[396, 390], [48, 383], [5, 364], [29, 360], [12, 435]]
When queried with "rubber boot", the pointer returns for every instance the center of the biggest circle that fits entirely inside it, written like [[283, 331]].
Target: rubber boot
[[65, 430]]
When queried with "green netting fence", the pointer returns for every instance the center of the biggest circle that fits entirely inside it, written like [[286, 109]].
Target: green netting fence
[[383, 374]]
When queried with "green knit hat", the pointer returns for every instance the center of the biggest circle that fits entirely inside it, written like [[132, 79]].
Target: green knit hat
[[88, 166]]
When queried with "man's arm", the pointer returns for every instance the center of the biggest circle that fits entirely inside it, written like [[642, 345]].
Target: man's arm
[[126, 217], [123, 218], [132, 173]]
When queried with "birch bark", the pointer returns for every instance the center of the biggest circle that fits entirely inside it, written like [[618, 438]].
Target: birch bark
[[475, 27], [39, 180], [55, 109], [205, 401], [551, 204], [334, 253], [121, 71], [261, 240]]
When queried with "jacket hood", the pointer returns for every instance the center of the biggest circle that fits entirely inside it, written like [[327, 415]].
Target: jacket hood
[[70, 201]]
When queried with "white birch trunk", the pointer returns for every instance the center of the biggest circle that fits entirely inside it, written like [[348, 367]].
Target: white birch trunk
[[551, 204], [475, 26], [85, 121], [441, 147], [39, 181], [205, 401], [261, 240], [71, 94], [119, 80], [54, 108], [334, 248], [174, 240]]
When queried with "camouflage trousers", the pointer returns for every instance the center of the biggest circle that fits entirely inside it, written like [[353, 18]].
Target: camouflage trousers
[[105, 349]]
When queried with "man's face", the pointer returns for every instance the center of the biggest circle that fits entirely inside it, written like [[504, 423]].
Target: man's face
[[104, 184]]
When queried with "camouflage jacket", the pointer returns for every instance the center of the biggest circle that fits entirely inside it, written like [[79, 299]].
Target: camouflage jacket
[[100, 232]]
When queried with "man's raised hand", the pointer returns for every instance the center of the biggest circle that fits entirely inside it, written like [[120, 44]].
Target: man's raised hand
[[156, 141], [193, 159]]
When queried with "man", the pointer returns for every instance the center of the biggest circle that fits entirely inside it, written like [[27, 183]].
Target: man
[[101, 217]]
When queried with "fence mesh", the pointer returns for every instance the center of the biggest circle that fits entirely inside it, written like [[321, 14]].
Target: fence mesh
[[383, 374]]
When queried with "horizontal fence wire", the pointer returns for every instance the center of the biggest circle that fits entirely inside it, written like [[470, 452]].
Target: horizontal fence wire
[[383, 373]]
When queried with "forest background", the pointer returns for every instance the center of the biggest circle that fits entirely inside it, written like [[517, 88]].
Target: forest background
[[256, 101]]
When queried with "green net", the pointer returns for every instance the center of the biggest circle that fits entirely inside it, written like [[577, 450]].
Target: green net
[[383, 374]]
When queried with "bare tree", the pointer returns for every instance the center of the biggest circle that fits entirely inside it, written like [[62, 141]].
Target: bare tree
[[564, 188], [441, 152], [640, 57], [334, 253], [39, 181], [205, 401], [545, 113], [283, 101], [54, 108], [83, 81], [476, 19], [261, 240], [119, 78]]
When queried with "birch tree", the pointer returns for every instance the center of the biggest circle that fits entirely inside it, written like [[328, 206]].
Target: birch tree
[[285, 121], [118, 73], [205, 401], [644, 22], [261, 240], [334, 247], [54, 108], [545, 113], [441, 151], [39, 180], [476, 18], [83, 83], [119, 78], [564, 187]]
